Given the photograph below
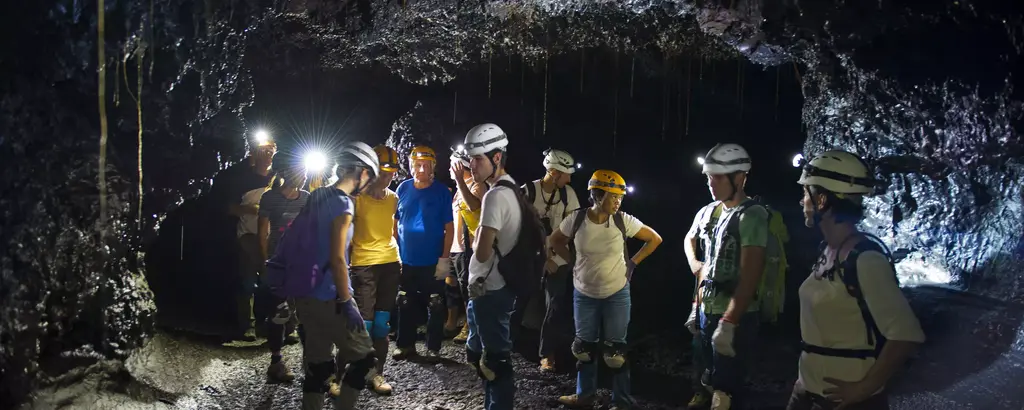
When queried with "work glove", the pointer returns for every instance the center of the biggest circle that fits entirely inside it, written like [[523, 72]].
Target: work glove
[[444, 267], [353, 320], [630, 267], [282, 314], [691, 321], [722, 339]]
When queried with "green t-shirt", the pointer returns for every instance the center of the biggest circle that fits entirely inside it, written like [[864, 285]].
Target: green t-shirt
[[722, 252]]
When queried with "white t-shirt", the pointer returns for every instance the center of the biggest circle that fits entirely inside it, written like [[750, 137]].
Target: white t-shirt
[[600, 269], [499, 210], [556, 211], [250, 223], [829, 317]]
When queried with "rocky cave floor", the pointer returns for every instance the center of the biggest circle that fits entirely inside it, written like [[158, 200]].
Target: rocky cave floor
[[176, 370]]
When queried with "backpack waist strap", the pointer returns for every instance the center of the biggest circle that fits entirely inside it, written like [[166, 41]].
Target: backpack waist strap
[[724, 287], [847, 353]]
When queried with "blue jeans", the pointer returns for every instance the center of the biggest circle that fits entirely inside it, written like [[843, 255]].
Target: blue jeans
[[603, 320], [489, 317], [727, 373]]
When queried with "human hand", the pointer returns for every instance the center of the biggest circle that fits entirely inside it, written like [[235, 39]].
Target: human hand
[[848, 393], [722, 338], [353, 320], [691, 321], [458, 169], [444, 267], [550, 266]]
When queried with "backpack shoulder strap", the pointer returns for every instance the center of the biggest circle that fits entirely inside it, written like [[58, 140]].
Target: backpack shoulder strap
[[531, 191], [852, 283], [620, 223], [577, 222], [564, 194]]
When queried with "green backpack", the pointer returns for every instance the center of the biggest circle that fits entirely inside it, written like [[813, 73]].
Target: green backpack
[[771, 292]]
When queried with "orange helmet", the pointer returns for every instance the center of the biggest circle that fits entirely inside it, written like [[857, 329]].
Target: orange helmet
[[423, 152], [609, 181], [388, 158]]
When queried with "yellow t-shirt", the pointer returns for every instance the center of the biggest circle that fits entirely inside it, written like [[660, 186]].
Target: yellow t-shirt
[[471, 218], [373, 242]]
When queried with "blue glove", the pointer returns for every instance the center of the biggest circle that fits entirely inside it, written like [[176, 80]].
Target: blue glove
[[353, 320]]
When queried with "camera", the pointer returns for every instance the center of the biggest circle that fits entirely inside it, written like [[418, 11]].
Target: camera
[[546, 223]]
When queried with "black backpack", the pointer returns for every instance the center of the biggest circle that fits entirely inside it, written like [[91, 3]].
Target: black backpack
[[523, 266]]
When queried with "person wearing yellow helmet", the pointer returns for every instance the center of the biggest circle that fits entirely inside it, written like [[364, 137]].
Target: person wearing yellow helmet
[[856, 326], [376, 269], [425, 230], [594, 239]]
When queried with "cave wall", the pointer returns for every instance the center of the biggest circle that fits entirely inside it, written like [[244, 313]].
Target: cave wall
[[879, 78]]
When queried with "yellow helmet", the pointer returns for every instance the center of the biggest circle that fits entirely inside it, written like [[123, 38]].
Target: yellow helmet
[[388, 158], [422, 152], [609, 181]]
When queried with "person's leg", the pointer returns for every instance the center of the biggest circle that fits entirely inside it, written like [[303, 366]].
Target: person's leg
[[729, 373], [800, 400], [556, 333], [277, 371], [453, 296], [388, 277], [437, 312], [462, 264], [319, 332], [364, 291], [493, 313], [587, 312], [248, 264], [700, 377], [616, 316], [358, 359], [408, 312]]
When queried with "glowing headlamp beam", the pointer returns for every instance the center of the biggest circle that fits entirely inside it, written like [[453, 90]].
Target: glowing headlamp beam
[[629, 188], [798, 160], [315, 161], [700, 160], [262, 137]]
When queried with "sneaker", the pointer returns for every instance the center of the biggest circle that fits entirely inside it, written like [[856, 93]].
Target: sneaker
[[547, 364], [380, 386], [463, 336], [279, 373], [700, 400], [432, 356], [573, 400], [721, 401], [404, 353]]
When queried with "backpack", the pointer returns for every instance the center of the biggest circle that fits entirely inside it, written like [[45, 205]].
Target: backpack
[[577, 222], [523, 266], [563, 193], [294, 271], [771, 291]]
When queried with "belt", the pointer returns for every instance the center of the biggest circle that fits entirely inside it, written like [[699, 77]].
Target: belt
[[847, 353]]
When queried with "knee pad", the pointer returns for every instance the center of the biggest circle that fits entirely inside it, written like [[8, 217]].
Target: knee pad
[[403, 299], [317, 375], [369, 325], [437, 303], [496, 366], [360, 372], [615, 355], [474, 359], [584, 351], [381, 328]]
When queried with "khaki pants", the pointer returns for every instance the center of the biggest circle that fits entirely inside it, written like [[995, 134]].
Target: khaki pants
[[325, 328]]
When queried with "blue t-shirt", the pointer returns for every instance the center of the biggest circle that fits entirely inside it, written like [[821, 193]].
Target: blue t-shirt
[[422, 215], [330, 203]]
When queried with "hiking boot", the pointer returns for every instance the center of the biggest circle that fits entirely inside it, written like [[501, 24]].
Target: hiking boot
[[463, 336], [573, 400], [380, 386], [279, 373], [547, 364], [700, 400], [432, 356], [721, 401], [405, 353]]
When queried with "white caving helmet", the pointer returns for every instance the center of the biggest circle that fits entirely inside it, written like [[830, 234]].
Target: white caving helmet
[[485, 138], [726, 159], [459, 154], [839, 172], [362, 155], [559, 160]]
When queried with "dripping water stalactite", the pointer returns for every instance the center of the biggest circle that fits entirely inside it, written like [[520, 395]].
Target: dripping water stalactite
[[583, 63], [739, 87], [615, 103], [455, 106], [777, 77], [632, 74], [689, 87], [522, 80], [664, 95], [490, 71], [547, 78], [102, 70], [139, 56]]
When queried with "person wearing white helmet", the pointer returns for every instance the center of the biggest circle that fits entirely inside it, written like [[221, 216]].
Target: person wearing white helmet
[[554, 198], [329, 314], [466, 212], [491, 301], [733, 231], [856, 325]]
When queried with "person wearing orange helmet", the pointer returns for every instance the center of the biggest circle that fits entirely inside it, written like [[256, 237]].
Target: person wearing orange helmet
[[376, 269], [425, 233], [594, 240]]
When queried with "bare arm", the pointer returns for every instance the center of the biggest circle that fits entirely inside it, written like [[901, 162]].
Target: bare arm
[[690, 247], [240, 210], [471, 195], [339, 243], [449, 236], [894, 354], [559, 243], [751, 266], [483, 249], [263, 233], [651, 242]]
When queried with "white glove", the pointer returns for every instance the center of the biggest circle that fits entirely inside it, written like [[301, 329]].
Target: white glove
[[722, 339], [691, 322], [444, 267]]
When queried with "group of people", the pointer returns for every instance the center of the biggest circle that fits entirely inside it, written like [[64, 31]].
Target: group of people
[[346, 257]]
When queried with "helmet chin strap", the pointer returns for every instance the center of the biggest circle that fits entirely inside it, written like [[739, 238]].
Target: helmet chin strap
[[360, 186], [816, 216]]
